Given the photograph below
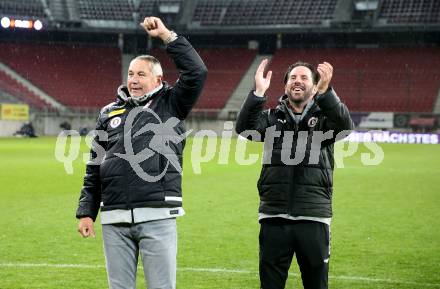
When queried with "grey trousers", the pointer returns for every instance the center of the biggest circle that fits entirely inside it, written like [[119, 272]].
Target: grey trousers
[[155, 241]]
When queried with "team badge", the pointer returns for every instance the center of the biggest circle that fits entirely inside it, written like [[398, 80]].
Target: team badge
[[312, 121], [115, 122]]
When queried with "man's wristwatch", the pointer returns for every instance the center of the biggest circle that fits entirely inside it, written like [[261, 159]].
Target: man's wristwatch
[[171, 37]]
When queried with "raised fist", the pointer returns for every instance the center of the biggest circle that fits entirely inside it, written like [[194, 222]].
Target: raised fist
[[155, 28]]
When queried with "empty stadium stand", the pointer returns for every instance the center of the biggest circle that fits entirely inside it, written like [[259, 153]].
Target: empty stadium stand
[[120, 9], [226, 67], [22, 8], [74, 76], [371, 79], [234, 12], [367, 79], [146, 8], [151, 7], [263, 12], [410, 11], [106, 9], [12, 87], [89, 76]]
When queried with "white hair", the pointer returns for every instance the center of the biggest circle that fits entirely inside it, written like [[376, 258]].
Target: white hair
[[156, 68]]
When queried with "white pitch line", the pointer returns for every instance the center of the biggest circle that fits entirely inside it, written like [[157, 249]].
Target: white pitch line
[[27, 265], [218, 270]]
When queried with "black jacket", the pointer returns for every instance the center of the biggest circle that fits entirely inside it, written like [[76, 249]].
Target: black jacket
[[304, 186], [112, 182]]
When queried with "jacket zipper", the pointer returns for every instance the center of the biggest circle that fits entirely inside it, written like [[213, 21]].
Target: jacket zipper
[[291, 193]]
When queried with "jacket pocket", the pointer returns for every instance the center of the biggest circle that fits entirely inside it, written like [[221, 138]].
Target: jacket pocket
[[273, 184]]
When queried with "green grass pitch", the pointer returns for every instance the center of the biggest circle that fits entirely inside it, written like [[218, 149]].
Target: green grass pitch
[[385, 230]]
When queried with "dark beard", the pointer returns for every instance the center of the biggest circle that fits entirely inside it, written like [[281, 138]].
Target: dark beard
[[306, 98]]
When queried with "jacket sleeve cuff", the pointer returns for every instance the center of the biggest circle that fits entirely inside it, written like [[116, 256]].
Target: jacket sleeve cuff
[[328, 99], [173, 36], [256, 98], [177, 44], [86, 211]]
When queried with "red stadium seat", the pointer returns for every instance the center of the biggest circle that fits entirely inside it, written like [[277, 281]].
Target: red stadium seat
[[374, 79], [74, 76], [226, 67], [20, 92]]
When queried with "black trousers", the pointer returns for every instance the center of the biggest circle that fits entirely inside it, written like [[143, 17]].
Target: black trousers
[[280, 239]]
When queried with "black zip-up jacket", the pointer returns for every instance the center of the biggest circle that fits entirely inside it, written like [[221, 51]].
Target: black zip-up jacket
[[302, 186], [112, 182]]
